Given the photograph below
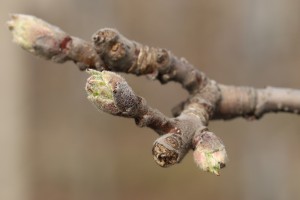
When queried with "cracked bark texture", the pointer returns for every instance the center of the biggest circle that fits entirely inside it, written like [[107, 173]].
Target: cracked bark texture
[[208, 100]]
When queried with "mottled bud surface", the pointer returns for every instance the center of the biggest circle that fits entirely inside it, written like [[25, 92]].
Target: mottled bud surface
[[110, 93], [209, 154], [99, 88]]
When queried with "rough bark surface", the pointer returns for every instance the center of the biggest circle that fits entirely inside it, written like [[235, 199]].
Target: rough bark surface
[[208, 100]]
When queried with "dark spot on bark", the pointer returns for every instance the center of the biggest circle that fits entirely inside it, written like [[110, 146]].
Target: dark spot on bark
[[64, 43], [161, 56], [222, 165], [96, 38]]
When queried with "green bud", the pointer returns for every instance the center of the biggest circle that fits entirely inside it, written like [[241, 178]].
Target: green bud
[[110, 93], [38, 37], [100, 91], [26, 29], [209, 153]]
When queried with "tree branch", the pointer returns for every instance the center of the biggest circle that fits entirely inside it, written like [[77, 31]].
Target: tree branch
[[50, 42], [254, 103], [109, 92], [123, 55]]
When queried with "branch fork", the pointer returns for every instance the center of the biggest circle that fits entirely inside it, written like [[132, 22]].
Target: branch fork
[[110, 52]]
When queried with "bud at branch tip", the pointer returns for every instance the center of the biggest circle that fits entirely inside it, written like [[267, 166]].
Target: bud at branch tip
[[110, 93], [209, 153], [26, 29]]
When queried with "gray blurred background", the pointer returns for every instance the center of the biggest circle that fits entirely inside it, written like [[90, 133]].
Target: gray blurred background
[[55, 146]]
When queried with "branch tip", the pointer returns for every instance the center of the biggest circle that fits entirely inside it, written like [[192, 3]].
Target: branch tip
[[209, 152], [110, 93]]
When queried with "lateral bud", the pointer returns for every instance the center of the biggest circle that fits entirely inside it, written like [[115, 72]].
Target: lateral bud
[[209, 151], [110, 93]]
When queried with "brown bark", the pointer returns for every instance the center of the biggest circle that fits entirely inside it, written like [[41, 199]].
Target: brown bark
[[208, 100]]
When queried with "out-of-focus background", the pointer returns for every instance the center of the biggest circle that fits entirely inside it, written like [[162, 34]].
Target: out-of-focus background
[[55, 145]]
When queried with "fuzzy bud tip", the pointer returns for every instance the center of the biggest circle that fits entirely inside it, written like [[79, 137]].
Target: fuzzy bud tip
[[209, 154], [100, 88], [110, 93], [26, 29]]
